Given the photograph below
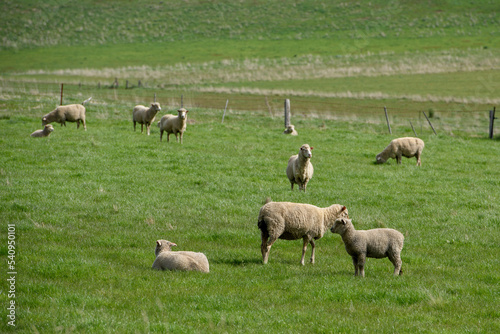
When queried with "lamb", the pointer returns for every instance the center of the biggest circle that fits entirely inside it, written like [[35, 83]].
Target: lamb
[[375, 243], [182, 261], [144, 115], [173, 124], [290, 130], [407, 147], [300, 169], [43, 133], [292, 221], [68, 113]]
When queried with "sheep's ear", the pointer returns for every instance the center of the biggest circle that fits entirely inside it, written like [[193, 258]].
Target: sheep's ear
[[44, 119], [158, 243], [343, 208], [187, 111], [312, 148], [172, 244], [344, 221]]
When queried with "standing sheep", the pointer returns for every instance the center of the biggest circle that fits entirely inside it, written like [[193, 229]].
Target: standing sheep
[[300, 169], [173, 124], [68, 113], [182, 261], [144, 115], [292, 221], [407, 147], [48, 128], [377, 243]]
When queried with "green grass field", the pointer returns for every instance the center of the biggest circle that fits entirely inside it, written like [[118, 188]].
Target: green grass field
[[85, 208]]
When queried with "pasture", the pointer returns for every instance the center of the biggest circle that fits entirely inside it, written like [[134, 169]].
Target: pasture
[[85, 208]]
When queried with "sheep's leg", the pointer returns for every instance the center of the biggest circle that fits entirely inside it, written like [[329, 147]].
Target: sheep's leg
[[398, 159], [176, 138], [266, 247], [419, 163], [355, 263], [134, 125], [84, 125], [313, 247], [161, 135], [291, 184], [180, 135], [361, 264], [142, 127], [168, 137], [148, 126], [396, 261], [304, 248], [77, 124]]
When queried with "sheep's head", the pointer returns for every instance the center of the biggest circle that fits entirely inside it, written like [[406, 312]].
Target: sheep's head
[[49, 127], [341, 225], [289, 129], [163, 246], [306, 151], [182, 113], [379, 159], [156, 106]]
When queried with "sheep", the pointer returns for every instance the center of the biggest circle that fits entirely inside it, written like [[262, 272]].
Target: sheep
[[144, 115], [173, 124], [376, 243], [300, 169], [182, 261], [292, 221], [407, 147], [290, 130], [68, 113], [43, 133]]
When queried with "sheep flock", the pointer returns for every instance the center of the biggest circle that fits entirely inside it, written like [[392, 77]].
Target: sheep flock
[[276, 220]]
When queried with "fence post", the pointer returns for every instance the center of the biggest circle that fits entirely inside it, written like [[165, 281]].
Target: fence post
[[387, 119], [126, 84], [429, 123], [224, 114], [287, 113], [182, 101], [62, 88], [413, 129], [492, 119], [155, 97]]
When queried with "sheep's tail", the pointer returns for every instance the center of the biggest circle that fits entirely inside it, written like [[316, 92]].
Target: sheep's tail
[[268, 200], [87, 100]]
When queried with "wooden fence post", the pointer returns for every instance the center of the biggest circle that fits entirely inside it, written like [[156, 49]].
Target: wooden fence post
[[429, 123], [287, 113], [492, 119], [62, 88], [155, 97], [182, 101], [227, 101], [413, 129], [387, 119], [126, 84]]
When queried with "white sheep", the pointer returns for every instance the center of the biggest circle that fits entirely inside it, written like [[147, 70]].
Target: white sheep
[[407, 147], [375, 243], [292, 221], [300, 169], [144, 115], [290, 130], [182, 261], [173, 124], [68, 113], [47, 129]]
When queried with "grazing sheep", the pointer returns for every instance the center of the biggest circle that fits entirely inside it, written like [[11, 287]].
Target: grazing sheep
[[376, 243], [68, 113], [290, 130], [48, 128], [182, 261], [144, 115], [292, 221], [300, 169], [407, 147], [173, 124]]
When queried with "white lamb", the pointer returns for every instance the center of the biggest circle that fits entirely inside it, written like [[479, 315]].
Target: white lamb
[[292, 221], [48, 128], [144, 115], [290, 130], [173, 124], [376, 243], [300, 169], [182, 261], [68, 113], [407, 147]]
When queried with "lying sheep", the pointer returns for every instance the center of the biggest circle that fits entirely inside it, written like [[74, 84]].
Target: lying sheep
[[48, 128], [173, 124], [68, 113], [300, 169], [376, 243], [290, 130], [407, 147], [144, 115], [182, 261], [292, 221]]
